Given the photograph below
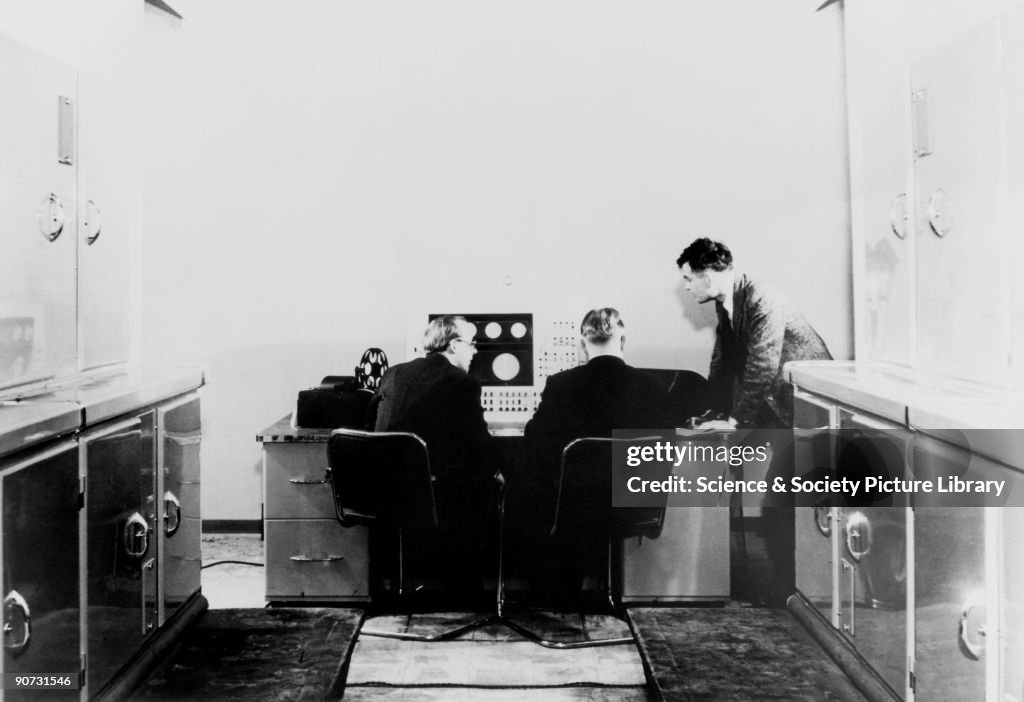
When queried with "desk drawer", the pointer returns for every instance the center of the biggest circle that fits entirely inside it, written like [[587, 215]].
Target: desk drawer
[[315, 558], [295, 484]]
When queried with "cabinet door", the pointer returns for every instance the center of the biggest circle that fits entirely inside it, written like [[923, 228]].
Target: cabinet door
[[873, 575], [949, 573], [109, 177], [961, 183], [880, 205], [179, 527], [37, 216], [120, 545], [813, 420], [41, 568]]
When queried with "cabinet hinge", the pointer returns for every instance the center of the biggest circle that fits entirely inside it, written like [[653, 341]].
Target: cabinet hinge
[[81, 670], [81, 493], [912, 679]]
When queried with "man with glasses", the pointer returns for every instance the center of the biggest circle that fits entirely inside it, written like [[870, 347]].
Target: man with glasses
[[436, 398]]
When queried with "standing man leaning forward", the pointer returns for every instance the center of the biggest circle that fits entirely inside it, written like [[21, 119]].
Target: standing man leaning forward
[[758, 331]]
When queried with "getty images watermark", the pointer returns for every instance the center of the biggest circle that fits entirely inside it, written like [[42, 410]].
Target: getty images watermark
[[855, 467]]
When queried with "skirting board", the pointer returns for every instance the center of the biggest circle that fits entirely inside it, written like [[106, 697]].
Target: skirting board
[[232, 526]]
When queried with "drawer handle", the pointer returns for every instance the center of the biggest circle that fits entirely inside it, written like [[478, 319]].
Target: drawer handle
[[306, 481], [310, 559]]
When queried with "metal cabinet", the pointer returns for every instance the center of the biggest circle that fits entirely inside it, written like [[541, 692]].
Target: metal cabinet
[[120, 585], [815, 562], [179, 532], [873, 535], [109, 177], [40, 498], [309, 555], [37, 216], [949, 577], [960, 173], [934, 94]]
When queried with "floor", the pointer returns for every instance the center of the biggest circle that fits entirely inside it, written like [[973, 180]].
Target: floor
[[729, 653], [230, 580], [478, 667]]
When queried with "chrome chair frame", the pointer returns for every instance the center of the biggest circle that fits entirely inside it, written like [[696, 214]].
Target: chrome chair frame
[[349, 517], [614, 601]]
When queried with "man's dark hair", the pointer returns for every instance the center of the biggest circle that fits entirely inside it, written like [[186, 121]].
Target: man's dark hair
[[704, 254]]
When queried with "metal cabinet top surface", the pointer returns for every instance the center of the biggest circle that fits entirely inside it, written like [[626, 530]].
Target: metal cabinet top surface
[[26, 424], [73, 407], [106, 397], [986, 420]]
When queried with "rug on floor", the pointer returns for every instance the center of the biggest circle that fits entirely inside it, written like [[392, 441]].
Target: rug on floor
[[495, 656], [279, 655], [737, 654]]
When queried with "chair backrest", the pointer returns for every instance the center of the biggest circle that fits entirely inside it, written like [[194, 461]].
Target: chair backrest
[[588, 466], [686, 390], [381, 476]]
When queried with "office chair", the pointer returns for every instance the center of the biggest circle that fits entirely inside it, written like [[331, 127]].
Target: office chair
[[584, 508], [383, 479]]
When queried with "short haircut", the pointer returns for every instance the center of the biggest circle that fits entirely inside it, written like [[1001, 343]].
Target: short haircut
[[440, 332], [704, 254], [598, 326]]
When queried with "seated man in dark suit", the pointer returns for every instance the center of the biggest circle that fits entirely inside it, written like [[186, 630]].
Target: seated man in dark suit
[[436, 398], [589, 400]]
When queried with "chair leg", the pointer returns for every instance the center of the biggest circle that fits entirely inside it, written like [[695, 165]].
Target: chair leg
[[537, 638], [498, 617]]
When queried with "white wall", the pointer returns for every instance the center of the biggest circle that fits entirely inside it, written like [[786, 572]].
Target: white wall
[[315, 170]]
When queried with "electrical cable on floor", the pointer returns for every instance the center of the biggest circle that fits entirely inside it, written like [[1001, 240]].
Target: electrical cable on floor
[[215, 563]]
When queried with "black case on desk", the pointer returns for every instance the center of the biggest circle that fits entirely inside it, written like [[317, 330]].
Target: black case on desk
[[338, 402]]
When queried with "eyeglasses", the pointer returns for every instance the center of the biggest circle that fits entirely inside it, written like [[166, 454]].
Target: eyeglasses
[[468, 342]]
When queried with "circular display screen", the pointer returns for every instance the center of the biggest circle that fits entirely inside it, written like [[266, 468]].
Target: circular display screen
[[505, 366], [518, 330], [492, 330]]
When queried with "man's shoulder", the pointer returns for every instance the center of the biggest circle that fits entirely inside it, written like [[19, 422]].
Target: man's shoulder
[[758, 293]]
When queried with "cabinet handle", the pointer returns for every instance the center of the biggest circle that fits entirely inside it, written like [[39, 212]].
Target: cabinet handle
[[848, 568], [16, 608], [822, 517], [171, 503], [136, 536], [859, 535], [940, 213], [93, 222], [971, 632], [51, 217], [899, 216], [147, 626], [307, 481], [311, 559]]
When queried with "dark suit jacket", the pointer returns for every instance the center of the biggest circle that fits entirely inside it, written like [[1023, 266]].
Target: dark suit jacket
[[589, 400], [765, 332], [441, 403]]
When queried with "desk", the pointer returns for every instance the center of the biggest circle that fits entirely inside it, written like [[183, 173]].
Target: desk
[[311, 558], [690, 560]]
